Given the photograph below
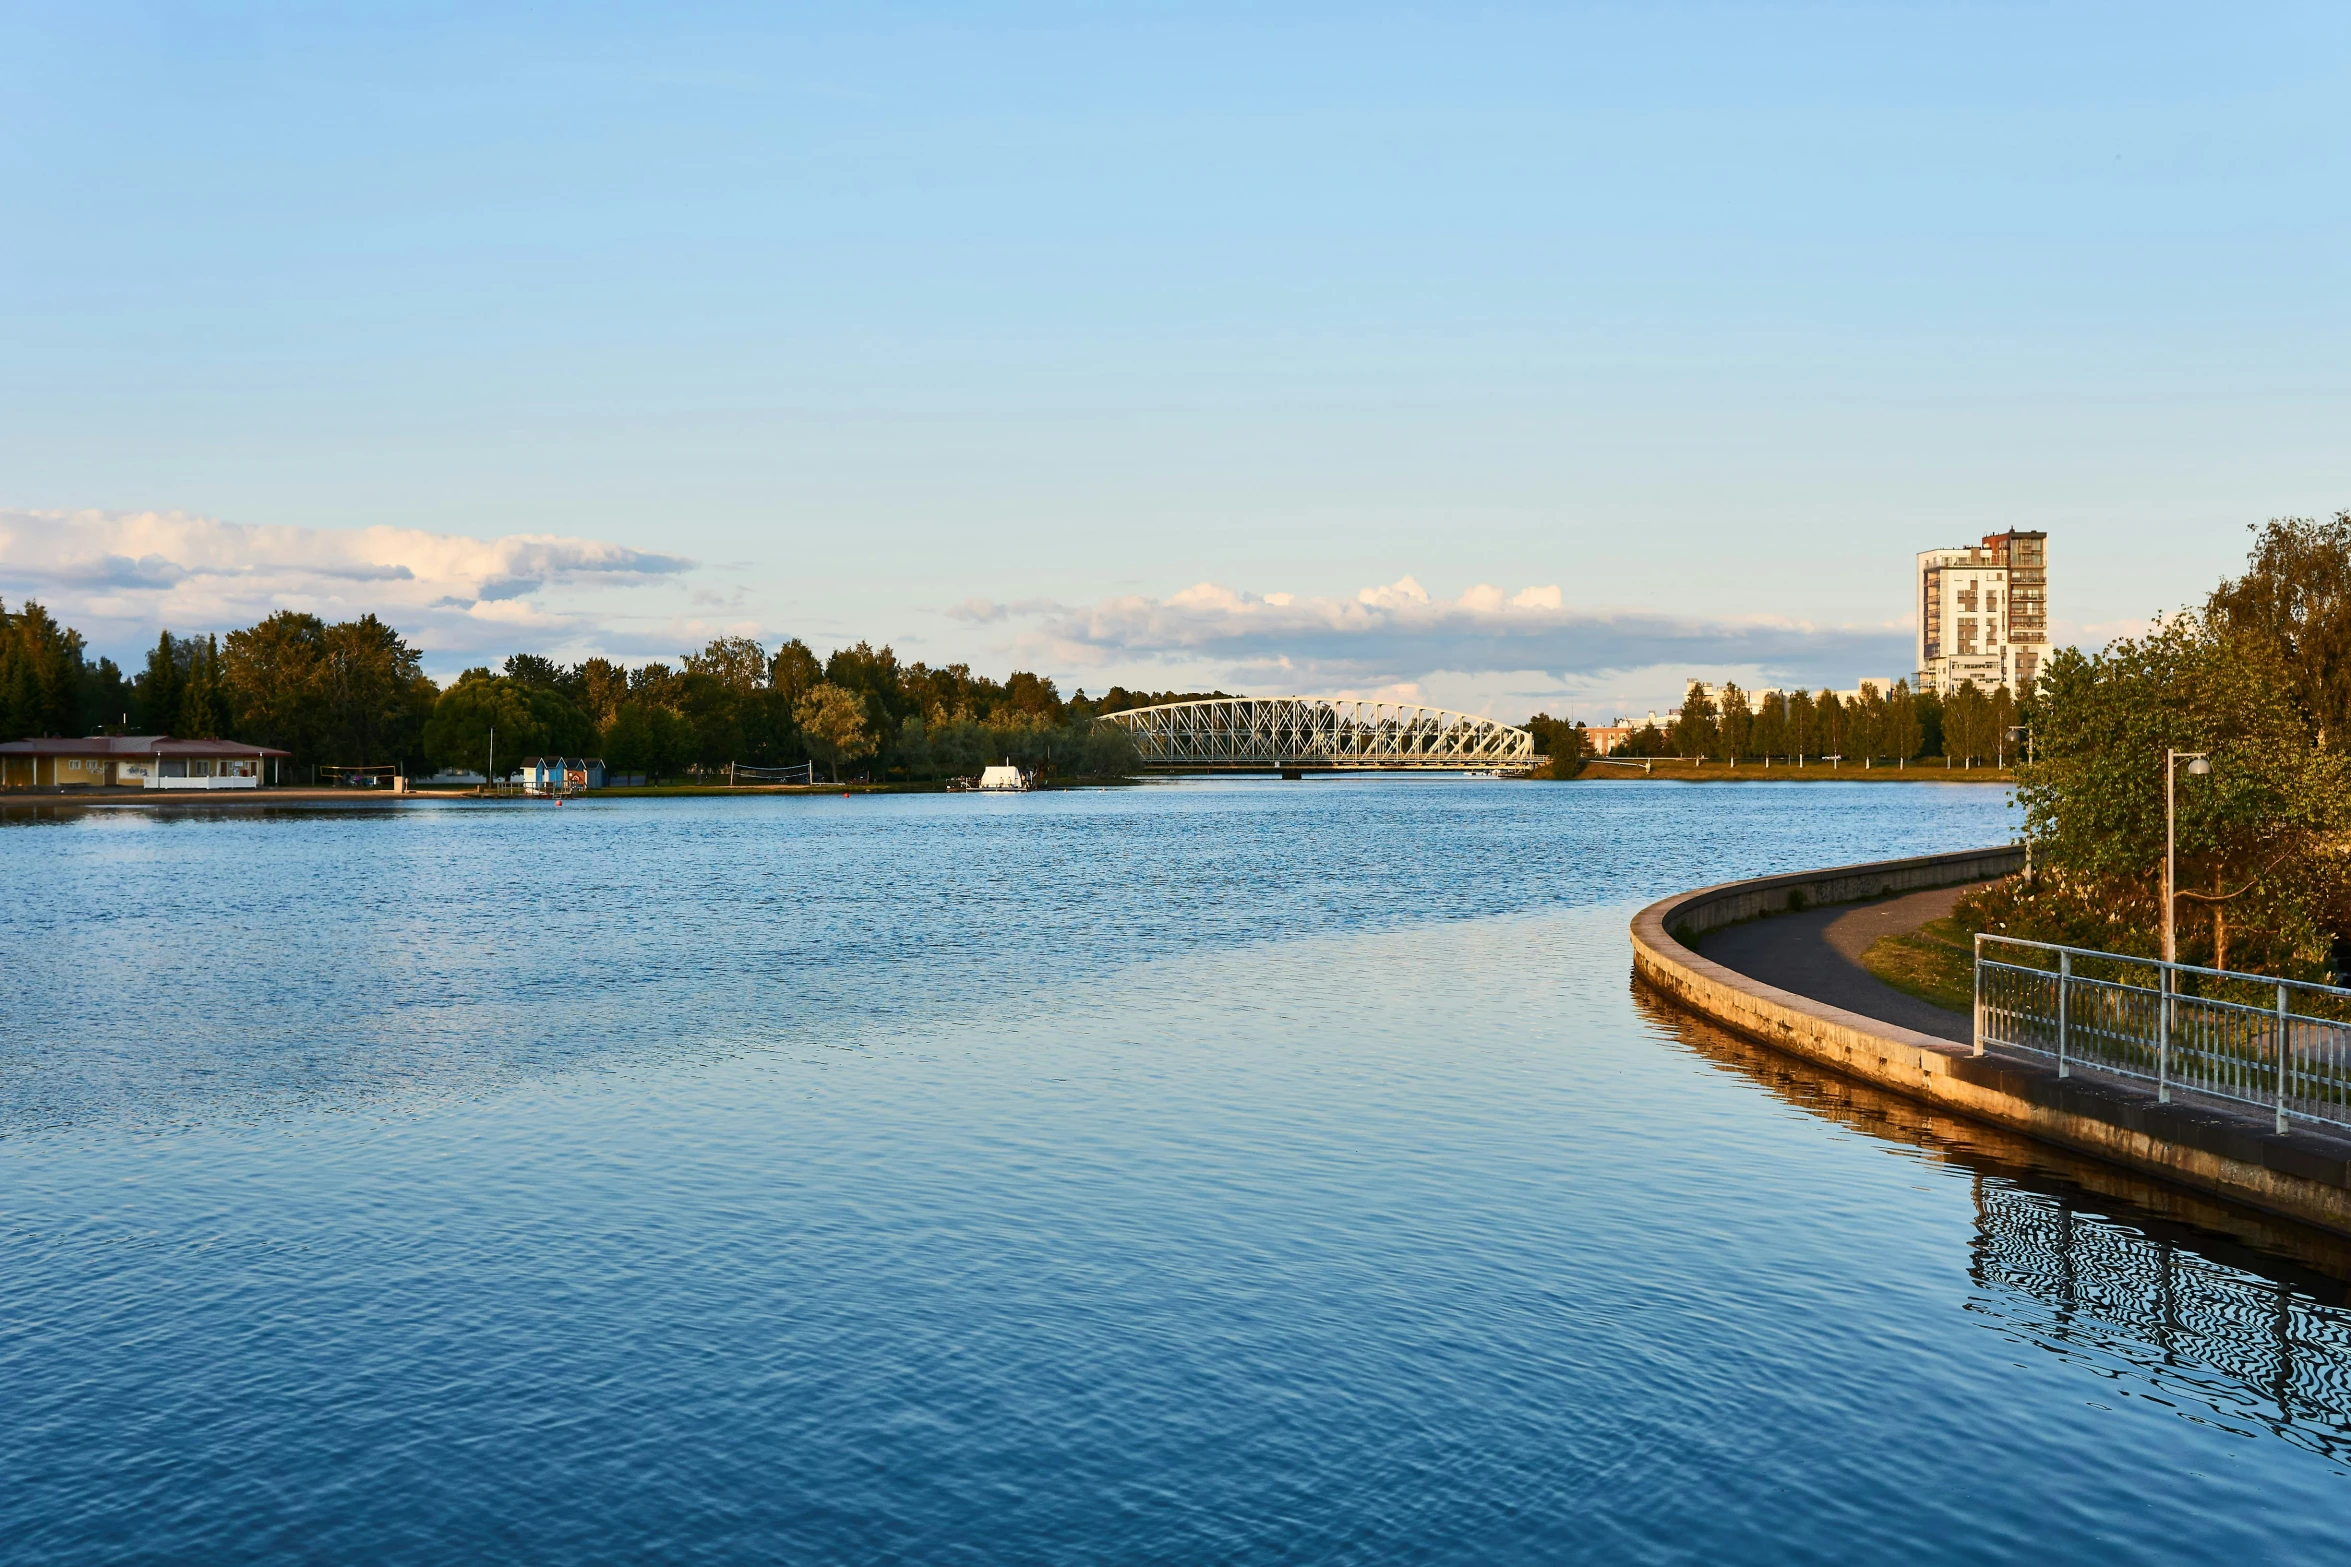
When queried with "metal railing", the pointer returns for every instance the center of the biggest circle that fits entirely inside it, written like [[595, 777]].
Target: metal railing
[[2212, 1031]]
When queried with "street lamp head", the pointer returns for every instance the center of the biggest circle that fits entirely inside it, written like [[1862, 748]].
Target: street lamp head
[[2199, 768]]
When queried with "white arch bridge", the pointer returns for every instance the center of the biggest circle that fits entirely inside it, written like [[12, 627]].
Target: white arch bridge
[[1296, 733]]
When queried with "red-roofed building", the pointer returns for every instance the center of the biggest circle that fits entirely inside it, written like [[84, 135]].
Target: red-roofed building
[[134, 762]]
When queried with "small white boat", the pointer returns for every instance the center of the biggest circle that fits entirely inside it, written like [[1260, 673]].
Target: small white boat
[[1003, 780]]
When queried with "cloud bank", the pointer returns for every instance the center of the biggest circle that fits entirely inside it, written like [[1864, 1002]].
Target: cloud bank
[[1398, 635], [121, 575]]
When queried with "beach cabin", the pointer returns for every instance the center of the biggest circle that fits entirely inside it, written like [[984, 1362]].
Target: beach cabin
[[135, 762], [560, 774]]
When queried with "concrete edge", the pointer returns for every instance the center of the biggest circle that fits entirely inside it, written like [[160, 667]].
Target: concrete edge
[[2302, 1174]]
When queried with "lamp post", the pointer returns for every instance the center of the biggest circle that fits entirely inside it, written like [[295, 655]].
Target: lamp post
[[2024, 733], [2199, 765]]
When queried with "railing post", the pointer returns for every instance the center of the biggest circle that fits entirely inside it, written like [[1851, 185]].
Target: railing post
[[2163, 1035], [1979, 993], [2285, 1040], [2064, 984]]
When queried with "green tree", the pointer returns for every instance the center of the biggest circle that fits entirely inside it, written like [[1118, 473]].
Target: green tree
[[1031, 695], [1928, 704], [2258, 839], [1899, 731], [833, 724], [1967, 724], [646, 737], [1803, 726], [1118, 699], [158, 689], [1648, 740], [604, 688], [272, 671], [204, 697], [2295, 600], [794, 671], [375, 700], [484, 716], [43, 675], [1092, 750], [713, 710], [1865, 724], [1769, 736], [1735, 722], [738, 664], [545, 674], [1564, 745], [1829, 732], [21, 703], [106, 697], [1694, 732], [353, 692]]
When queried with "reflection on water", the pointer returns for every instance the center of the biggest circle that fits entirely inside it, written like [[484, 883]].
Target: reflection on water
[[2241, 1314], [2243, 1347]]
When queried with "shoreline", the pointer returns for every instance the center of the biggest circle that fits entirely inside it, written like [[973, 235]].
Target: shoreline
[[166, 799], [1680, 769], [1670, 770], [2303, 1174]]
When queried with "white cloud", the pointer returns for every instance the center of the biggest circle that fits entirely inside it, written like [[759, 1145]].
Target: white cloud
[[1401, 593], [1400, 637], [121, 575], [987, 612]]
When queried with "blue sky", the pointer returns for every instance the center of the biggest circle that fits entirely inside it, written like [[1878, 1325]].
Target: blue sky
[[1165, 344]]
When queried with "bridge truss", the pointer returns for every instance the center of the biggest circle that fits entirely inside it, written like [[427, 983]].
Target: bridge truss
[[1294, 732]]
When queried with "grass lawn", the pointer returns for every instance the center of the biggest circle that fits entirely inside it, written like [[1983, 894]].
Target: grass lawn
[[1935, 963]]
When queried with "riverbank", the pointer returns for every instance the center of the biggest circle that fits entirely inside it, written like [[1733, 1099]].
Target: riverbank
[[2304, 1173], [148, 799], [1682, 769], [164, 799]]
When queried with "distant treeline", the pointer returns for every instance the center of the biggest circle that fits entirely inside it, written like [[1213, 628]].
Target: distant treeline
[[353, 693], [1971, 726]]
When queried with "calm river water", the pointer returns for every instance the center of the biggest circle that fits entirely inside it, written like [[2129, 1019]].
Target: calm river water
[[1200, 1172]]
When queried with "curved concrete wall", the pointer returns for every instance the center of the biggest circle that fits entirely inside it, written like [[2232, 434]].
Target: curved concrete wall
[[2304, 1174]]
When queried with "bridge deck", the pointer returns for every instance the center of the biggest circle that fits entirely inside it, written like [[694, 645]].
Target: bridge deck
[[1327, 734]]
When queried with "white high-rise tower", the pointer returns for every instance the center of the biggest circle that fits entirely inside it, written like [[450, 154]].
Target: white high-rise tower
[[1983, 613]]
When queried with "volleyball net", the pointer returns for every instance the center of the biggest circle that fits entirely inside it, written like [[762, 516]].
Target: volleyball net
[[744, 773]]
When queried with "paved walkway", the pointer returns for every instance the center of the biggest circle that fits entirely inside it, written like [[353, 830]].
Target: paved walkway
[[1818, 954]]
